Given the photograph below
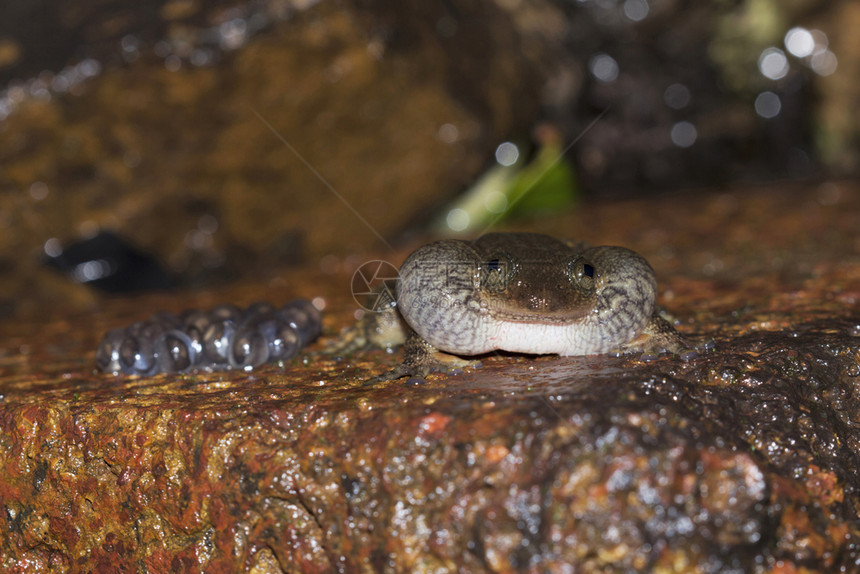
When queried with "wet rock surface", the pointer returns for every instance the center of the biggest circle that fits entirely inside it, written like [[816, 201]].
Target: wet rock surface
[[742, 459]]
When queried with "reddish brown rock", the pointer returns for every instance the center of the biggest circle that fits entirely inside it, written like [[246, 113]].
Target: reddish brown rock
[[743, 459]]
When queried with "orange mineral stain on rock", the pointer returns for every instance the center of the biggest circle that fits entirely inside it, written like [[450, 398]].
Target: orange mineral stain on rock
[[747, 450]]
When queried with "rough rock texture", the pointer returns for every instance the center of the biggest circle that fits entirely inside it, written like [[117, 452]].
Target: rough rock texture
[[746, 458]]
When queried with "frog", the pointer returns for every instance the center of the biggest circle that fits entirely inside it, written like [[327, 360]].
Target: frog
[[526, 293]]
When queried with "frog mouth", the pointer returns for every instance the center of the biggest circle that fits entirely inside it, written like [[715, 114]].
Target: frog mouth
[[539, 314]]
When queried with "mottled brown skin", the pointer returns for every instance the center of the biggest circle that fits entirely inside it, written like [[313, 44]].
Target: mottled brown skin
[[527, 293]]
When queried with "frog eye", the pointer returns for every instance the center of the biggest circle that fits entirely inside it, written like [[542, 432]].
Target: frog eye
[[582, 273], [494, 274]]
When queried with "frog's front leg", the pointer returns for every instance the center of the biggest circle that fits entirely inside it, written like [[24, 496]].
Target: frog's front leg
[[420, 358], [658, 337]]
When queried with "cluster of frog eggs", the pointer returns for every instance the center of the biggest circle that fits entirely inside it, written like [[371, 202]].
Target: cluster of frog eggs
[[225, 337]]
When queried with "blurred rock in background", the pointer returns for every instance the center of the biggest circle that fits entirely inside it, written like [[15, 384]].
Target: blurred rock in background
[[228, 139]]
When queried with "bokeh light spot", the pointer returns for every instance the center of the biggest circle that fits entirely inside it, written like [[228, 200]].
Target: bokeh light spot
[[773, 64], [507, 154], [457, 219], [677, 96], [604, 68], [768, 105], [636, 10], [799, 42], [684, 134]]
